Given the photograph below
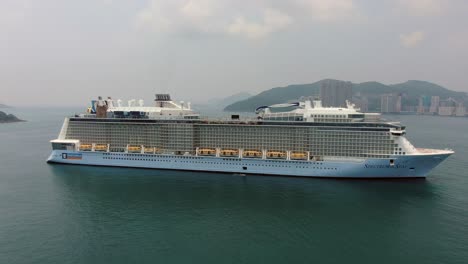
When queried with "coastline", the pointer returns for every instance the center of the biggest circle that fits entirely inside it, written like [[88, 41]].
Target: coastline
[[9, 118]]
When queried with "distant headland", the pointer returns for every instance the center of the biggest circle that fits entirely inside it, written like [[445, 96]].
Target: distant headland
[[8, 118], [419, 97]]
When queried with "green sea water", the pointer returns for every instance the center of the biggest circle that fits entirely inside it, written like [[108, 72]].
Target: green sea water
[[79, 214]]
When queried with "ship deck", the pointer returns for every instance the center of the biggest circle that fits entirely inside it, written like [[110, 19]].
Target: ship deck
[[256, 122], [426, 151]]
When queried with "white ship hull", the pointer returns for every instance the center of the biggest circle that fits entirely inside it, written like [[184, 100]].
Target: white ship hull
[[406, 166]]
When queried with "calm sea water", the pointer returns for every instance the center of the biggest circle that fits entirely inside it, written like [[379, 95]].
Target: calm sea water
[[72, 214]]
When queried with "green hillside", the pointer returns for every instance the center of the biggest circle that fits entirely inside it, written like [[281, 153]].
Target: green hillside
[[230, 99], [371, 90], [274, 96]]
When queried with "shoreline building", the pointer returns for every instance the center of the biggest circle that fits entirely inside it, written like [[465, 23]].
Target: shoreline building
[[335, 93], [460, 110], [447, 107], [390, 103], [424, 104], [435, 102], [362, 103]]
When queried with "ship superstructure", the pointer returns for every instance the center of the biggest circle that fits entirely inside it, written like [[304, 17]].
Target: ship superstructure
[[309, 140]]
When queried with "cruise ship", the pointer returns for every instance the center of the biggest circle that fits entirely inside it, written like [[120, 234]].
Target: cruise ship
[[292, 139]]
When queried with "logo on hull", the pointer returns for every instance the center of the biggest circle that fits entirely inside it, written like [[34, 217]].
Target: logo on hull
[[72, 156]]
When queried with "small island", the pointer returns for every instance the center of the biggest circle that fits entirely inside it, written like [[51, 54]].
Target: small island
[[8, 118]]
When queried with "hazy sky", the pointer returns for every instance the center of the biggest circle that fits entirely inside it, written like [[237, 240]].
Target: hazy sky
[[56, 52]]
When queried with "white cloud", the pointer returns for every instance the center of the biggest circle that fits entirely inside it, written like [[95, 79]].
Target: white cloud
[[175, 16], [251, 19], [422, 7], [154, 16], [327, 10], [198, 9], [412, 39], [273, 20]]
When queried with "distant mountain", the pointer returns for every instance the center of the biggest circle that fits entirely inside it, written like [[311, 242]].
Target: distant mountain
[[371, 90], [218, 104], [231, 99], [8, 118], [4, 106], [274, 96]]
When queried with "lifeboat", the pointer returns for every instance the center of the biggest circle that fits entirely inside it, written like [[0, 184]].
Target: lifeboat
[[207, 152], [229, 153], [134, 149], [276, 155], [149, 150], [252, 154], [316, 158], [100, 147], [298, 155], [86, 147]]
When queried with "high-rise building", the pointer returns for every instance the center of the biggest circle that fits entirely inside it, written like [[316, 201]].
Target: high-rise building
[[362, 103], [424, 104], [447, 107], [420, 105], [410, 108], [398, 104], [435, 100], [387, 104], [336, 93], [460, 110], [446, 110], [390, 103]]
